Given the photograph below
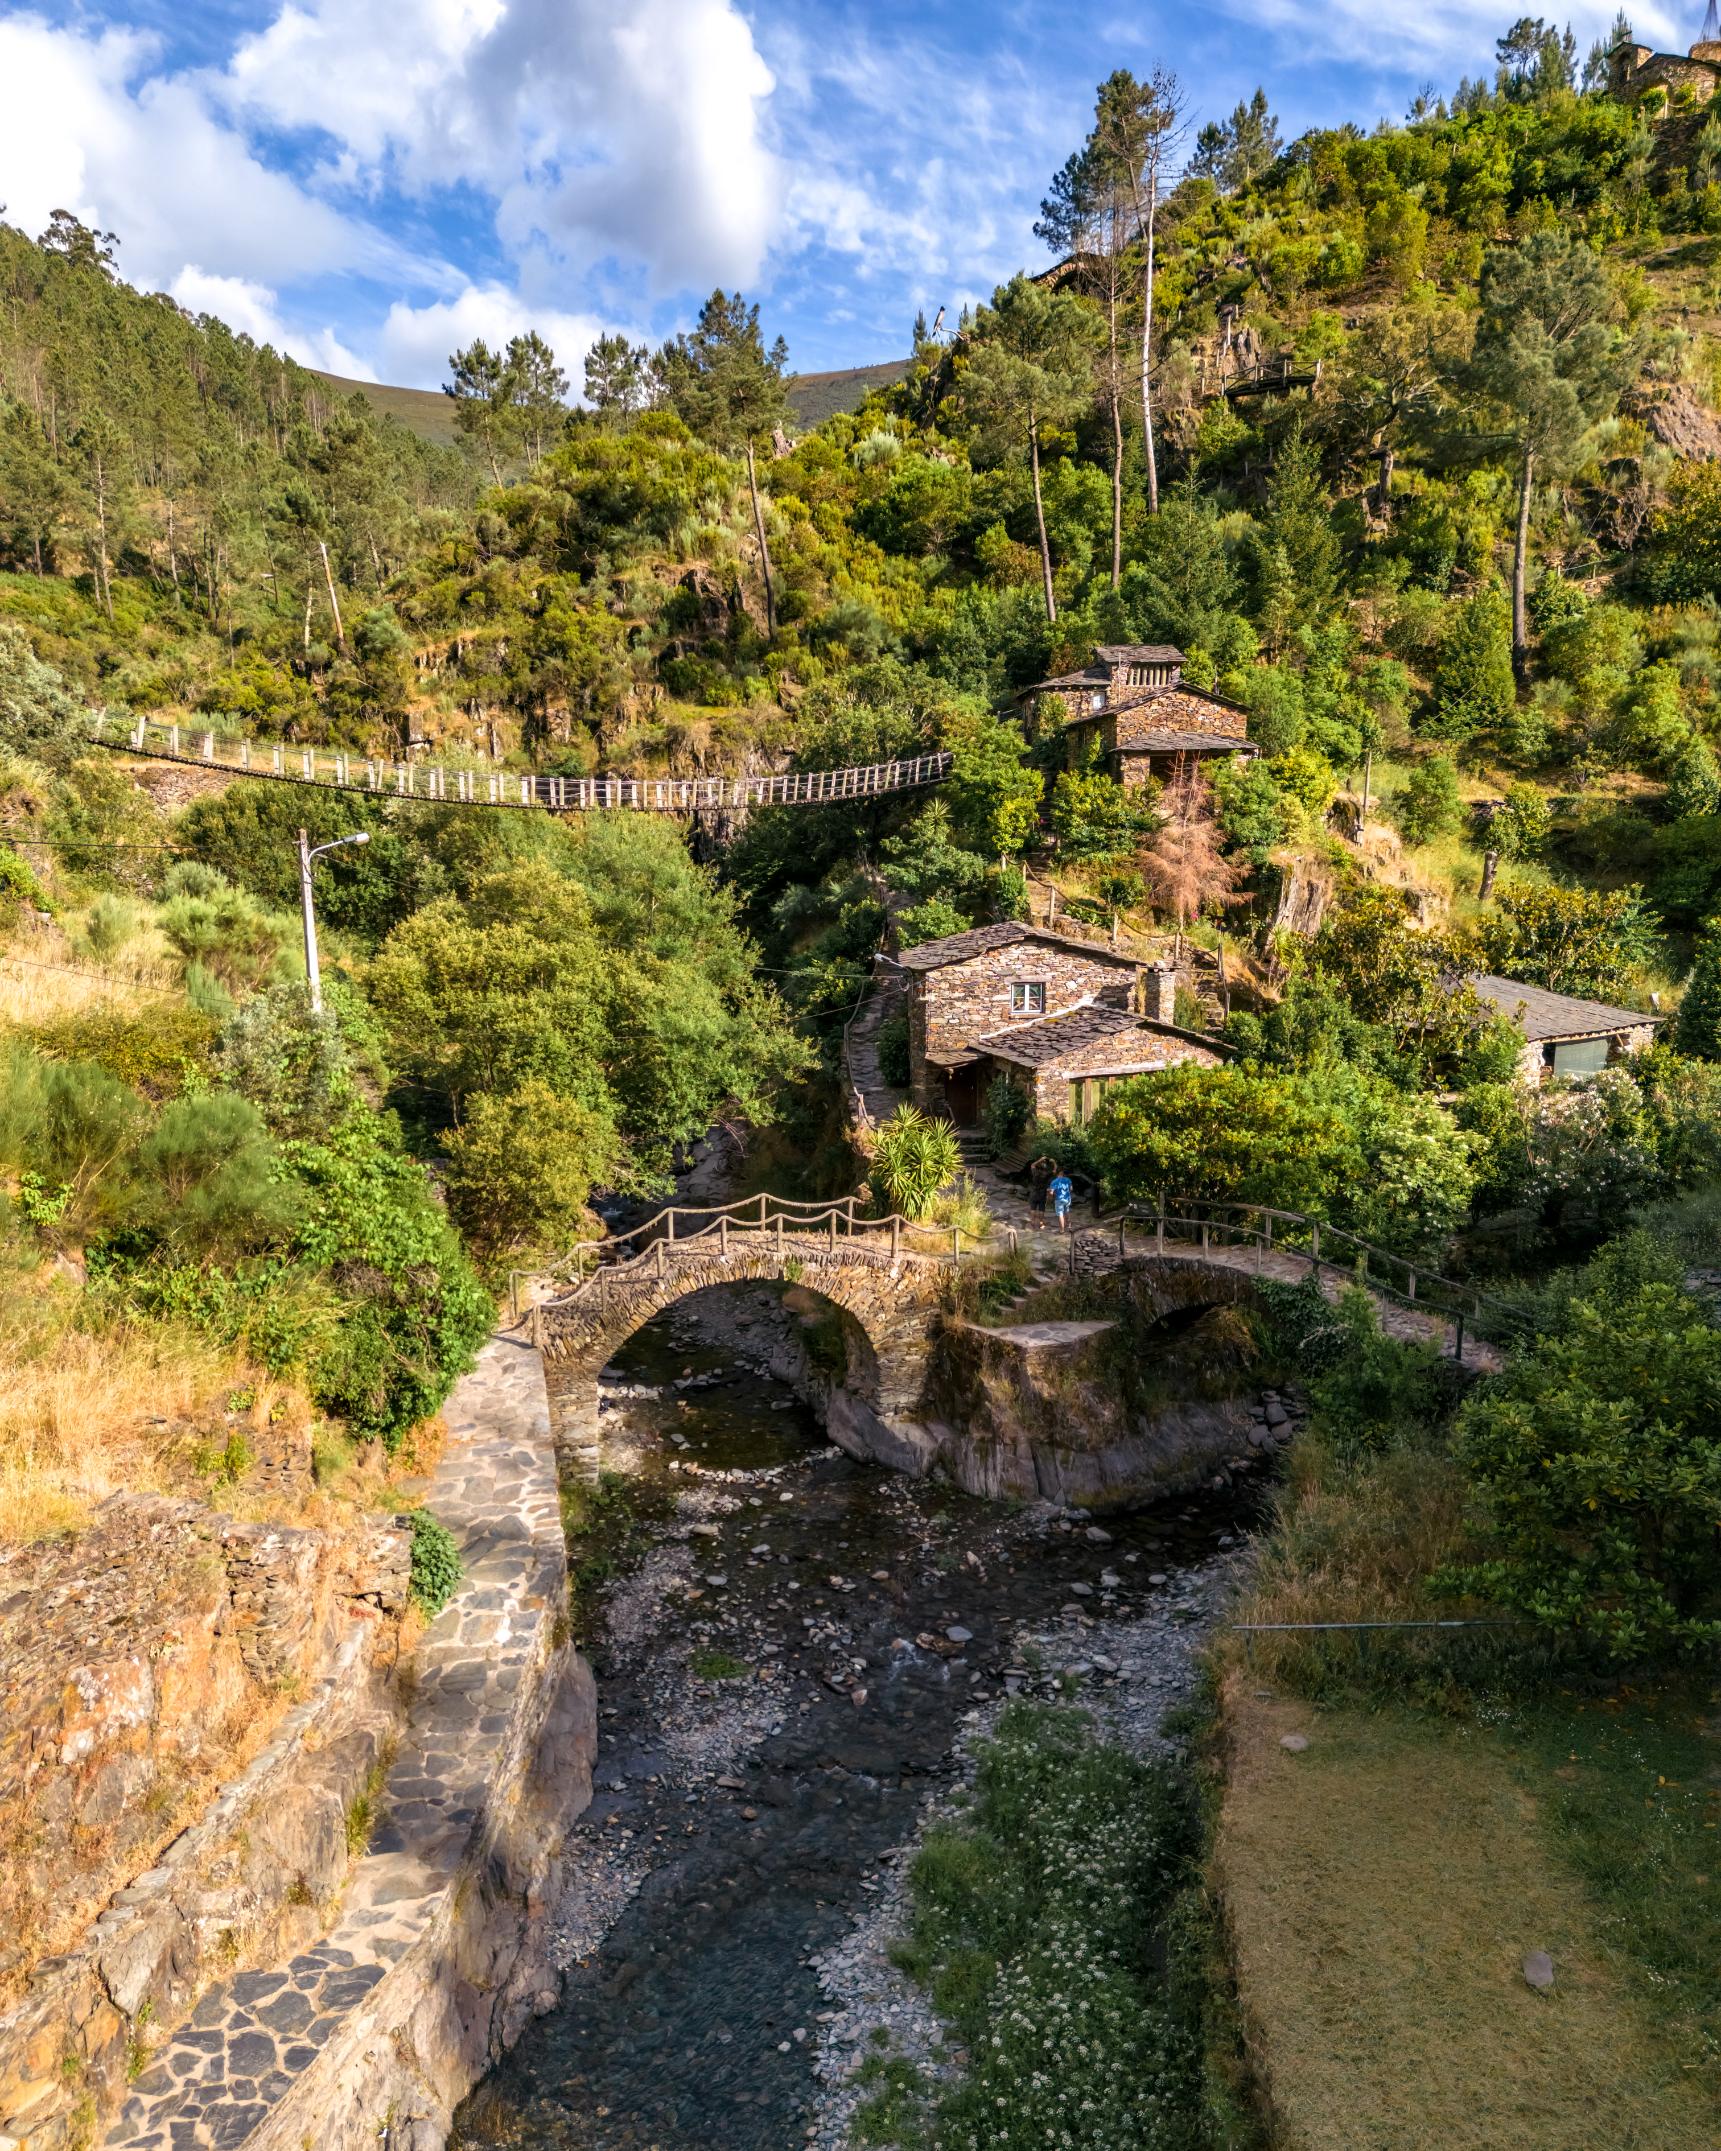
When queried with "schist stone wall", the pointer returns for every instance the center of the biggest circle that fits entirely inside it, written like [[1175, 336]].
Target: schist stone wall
[[951, 1007], [1136, 1052]]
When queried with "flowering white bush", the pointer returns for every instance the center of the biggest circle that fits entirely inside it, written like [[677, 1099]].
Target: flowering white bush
[[1039, 1920]]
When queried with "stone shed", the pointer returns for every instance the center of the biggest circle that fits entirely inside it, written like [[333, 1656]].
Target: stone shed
[[1065, 1063], [1562, 1035]]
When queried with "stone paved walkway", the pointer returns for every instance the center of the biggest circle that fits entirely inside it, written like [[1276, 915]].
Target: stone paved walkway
[[224, 2072], [866, 1078], [1049, 1254]]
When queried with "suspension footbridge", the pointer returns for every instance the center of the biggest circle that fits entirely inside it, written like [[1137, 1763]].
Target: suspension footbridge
[[481, 785]]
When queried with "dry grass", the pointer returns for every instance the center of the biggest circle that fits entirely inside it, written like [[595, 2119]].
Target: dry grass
[[42, 976], [87, 1412], [1382, 1889], [1356, 1540]]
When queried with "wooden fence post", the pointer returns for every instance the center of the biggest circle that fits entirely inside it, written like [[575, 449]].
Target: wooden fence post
[[537, 1326], [1315, 1244], [661, 1249], [895, 1238], [723, 1236]]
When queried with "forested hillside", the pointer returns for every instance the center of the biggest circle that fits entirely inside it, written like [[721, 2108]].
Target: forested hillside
[[1411, 454]]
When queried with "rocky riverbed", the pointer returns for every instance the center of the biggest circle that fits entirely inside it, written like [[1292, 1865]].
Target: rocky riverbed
[[794, 1655]]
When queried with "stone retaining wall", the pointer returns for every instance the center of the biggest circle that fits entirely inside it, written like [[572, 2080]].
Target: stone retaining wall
[[439, 1954], [348, 1996], [136, 1657]]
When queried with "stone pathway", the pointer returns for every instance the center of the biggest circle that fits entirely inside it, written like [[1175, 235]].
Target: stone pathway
[[877, 1098], [223, 2074], [1095, 1251]]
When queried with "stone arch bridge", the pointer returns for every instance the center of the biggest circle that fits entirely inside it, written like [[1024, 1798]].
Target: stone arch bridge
[[894, 1279], [891, 1277]]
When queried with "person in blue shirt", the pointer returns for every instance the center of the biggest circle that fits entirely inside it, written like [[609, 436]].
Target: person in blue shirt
[[1062, 1194]]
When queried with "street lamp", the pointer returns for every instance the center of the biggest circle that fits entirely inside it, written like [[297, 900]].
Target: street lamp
[[307, 852]]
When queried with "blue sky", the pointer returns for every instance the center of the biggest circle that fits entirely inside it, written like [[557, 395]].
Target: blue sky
[[372, 182]]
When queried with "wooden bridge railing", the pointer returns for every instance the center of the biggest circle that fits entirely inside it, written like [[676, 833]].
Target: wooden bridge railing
[[596, 1268], [491, 787], [1328, 1249]]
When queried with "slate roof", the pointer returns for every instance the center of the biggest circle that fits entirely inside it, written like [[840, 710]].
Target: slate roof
[[981, 940], [1135, 698], [1187, 743], [1138, 653], [1541, 1015], [1033, 1045]]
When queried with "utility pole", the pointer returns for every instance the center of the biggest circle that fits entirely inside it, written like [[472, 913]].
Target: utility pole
[[307, 905]]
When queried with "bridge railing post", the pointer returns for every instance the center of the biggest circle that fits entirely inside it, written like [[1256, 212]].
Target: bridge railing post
[[1315, 1244], [779, 1234], [1159, 1224], [537, 1326], [661, 1250], [723, 1236], [895, 1239]]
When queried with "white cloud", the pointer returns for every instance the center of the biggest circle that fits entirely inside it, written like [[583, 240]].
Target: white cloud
[[608, 129], [413, 345], [86, 126], [254, 310]]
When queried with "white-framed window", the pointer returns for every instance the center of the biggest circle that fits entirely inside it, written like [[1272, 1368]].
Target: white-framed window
[[1028, 997], [1097, 700]]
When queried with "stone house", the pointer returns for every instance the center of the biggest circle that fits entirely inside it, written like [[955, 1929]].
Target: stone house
[[1634, 70], [1131, 710], [1562, 1035], [1060, 1017]]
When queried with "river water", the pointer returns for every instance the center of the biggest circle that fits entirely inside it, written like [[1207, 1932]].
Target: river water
[[790, 1653]]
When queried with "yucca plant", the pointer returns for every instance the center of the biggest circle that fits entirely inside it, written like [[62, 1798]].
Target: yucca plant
[[915, 1157]]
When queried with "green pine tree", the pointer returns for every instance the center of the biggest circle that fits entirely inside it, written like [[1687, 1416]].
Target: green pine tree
[[1699, 1028], [1473, 685]]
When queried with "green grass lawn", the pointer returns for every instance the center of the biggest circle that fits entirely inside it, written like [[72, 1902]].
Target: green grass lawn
[[1383, 1887], [1628, 1787]]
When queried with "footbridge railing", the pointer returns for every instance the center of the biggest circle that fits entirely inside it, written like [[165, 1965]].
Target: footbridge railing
[[596, 1268], [491, 787], [1222, 1228]]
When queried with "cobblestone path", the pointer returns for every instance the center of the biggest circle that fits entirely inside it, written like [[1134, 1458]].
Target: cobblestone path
[[223, 2073]]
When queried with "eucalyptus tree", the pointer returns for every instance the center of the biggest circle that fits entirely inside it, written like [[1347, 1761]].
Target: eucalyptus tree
[[1137, 126], [1028, 365], [729, 387]]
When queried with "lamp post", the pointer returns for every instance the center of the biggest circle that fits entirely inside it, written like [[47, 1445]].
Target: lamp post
[[307, 852]]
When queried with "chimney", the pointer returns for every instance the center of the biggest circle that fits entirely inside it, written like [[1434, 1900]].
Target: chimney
[[1159, 992]]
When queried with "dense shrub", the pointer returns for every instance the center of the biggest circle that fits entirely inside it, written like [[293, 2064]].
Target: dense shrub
[[436, 1564]]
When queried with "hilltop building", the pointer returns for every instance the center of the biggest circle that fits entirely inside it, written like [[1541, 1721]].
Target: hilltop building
[[1131, 710], [1635, 70], [1061, 1018]]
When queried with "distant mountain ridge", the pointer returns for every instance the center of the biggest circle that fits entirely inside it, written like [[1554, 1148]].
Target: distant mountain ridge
[[813, 397]]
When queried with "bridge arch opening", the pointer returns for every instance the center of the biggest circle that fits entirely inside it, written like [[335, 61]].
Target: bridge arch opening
[[734, 1376]]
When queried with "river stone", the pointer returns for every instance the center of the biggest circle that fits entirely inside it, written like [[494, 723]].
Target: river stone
[[1294, 1742], [1277, 1416], [1539, 1970], [960, 1635]]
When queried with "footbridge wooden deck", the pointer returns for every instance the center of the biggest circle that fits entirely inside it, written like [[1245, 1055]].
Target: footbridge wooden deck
[[478, 786]]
